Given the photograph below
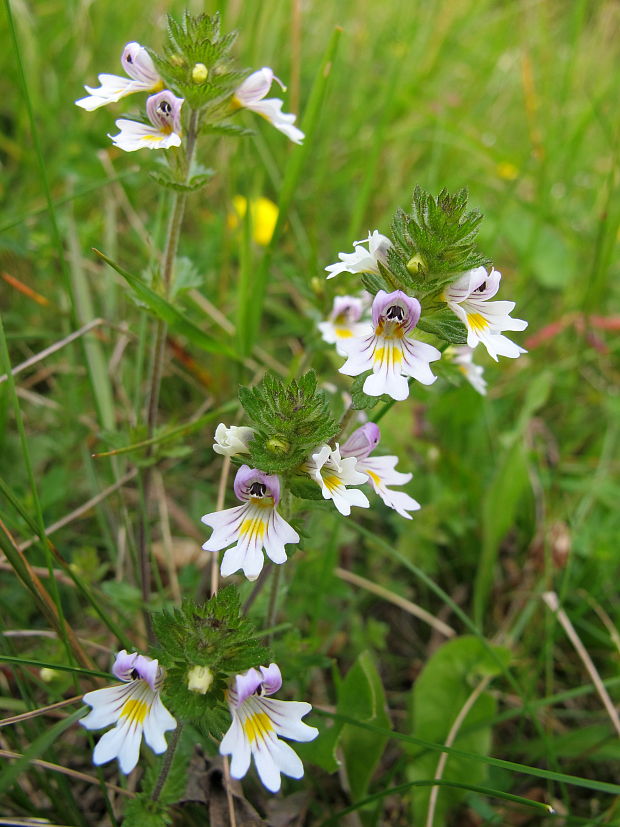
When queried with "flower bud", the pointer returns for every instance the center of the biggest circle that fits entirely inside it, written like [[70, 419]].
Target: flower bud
[[199, 679], [232, 441], [200, 73], [277, 445], [46, 674], [417, 265]]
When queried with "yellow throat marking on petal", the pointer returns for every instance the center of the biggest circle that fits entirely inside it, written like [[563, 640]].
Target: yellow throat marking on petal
[[256, 726], [135, 710], [396, 356], [343, 333], [374, 477], [477, 322], [253, 526], [157, 138], [332, 482]]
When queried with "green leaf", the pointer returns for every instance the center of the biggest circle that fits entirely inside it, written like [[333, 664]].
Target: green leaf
[[445, 325], [441, 690], [177, 322], [361, 695]]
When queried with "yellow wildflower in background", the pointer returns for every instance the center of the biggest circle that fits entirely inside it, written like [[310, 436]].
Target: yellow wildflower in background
[[263, 215]]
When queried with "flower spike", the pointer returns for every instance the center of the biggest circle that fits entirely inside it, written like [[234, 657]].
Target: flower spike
[[388, 351], [468, 298], [251, 95], [164, 131], [257, 721], [251, 527], [135, 708], [363, 260], [380, 471], [143, 77]]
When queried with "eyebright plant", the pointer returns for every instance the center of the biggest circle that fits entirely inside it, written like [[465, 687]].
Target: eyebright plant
[[420, 296]]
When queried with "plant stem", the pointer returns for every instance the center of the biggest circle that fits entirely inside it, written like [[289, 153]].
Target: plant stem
[[179, 201], [273, 598], [163, 775]]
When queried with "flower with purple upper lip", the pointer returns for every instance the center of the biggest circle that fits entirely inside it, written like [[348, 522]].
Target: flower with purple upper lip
[[257, 721], [388, 351], [344, 321], [362, 260], [134, 706], [164, 131], [468, 298], [381, 471], [251, 527], [251, 95], [143, 77]]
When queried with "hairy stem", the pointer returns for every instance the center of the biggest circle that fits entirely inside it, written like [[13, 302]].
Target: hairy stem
[[163, 775], [179, 201]]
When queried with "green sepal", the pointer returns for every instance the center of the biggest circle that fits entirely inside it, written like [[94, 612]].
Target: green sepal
[[303, 487], [374, 283], [212, 635], [445, 325], [291, 419]]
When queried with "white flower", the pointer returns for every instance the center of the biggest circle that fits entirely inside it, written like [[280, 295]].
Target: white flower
[[333, 473], [462, 356], [143, 77], [257, 721], [388, 351], [134, 706], [164, 131], [380, 471], [251, 527], [343, 322], [468, 299], [233, 440], [363, 260], [251, 95]]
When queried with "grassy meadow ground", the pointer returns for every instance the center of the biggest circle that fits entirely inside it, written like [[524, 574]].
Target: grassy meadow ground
[[518, 102]]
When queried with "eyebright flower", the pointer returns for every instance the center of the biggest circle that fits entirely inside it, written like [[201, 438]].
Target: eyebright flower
[[388, 351], [468, 299], [343, 322], [143, 77], [333, 473], [251, 527], [362, 260], [251, 94], [462, 356], [232, 441], [257, 721], [380, 471], [164, 131], [134, 706]]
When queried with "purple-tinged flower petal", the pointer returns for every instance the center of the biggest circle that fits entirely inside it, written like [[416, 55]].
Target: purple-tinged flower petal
[[272, 678], [362, 442], [252, 483]]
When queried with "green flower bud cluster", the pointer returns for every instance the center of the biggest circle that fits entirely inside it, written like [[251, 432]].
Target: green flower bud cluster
[[201, 648], [290, 421]]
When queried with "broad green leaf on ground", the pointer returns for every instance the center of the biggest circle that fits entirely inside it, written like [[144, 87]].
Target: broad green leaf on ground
[[441, 690]]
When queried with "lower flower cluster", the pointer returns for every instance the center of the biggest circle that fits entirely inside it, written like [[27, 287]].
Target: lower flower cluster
[[258, 721]]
